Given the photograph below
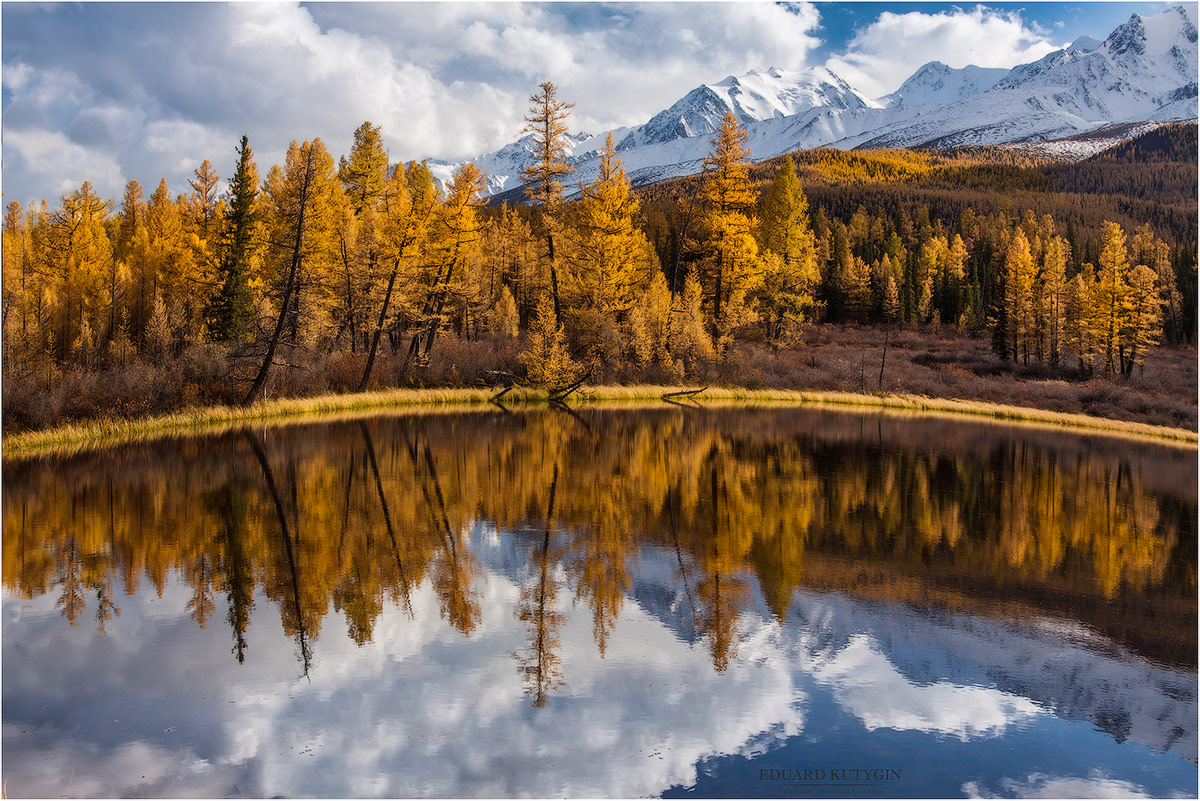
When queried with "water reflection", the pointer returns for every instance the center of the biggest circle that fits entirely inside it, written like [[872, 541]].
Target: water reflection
[[500, 604]]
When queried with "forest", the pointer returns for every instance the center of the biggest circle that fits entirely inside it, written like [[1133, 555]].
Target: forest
[[337, 276]]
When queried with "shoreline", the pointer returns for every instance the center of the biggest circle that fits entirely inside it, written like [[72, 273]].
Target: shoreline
[[106, 432]]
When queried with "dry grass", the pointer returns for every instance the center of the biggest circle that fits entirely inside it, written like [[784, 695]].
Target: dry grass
[[203, 421], [946, 364], [926, 371]]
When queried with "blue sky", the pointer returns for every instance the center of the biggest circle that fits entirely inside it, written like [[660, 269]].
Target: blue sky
[[109, 92], [1062, 20]]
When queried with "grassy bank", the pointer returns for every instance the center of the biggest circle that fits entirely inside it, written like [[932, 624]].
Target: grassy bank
[[200, 421]]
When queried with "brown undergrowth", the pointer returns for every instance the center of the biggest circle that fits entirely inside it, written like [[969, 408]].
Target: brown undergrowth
[[936, 363]]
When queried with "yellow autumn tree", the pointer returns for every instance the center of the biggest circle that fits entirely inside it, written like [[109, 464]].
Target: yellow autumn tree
[[789, 280], [854, 280], [169, 268], [19, 285], [301, 201], [690, 341], [547, 359], [454, 253], [72, 248], [546, 120], [650, 325], [1081, 323], [501, 317], [1020, 272], [1143, 323], [407, 210], [729, 265], [1111, 296], [1052, 298], [202, 213], [612, 257]]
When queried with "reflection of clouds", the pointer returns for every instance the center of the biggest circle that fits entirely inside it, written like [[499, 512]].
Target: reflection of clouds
[[870, 687], [450, 718], [1039, 785], [422, 710], [80, 769]]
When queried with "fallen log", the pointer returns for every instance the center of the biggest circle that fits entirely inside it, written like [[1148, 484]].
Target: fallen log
[[684, 393]]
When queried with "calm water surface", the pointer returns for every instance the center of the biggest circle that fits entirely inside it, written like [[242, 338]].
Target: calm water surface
[[713, 602]]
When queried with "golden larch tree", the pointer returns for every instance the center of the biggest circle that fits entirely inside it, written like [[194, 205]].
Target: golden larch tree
[[1053, 294], [729, 265], [1111, 291], [789, 281], [1020, 272], [1143, 323], [301, 201], [547, 121]]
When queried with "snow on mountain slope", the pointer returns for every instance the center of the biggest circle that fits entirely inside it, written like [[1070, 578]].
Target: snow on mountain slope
[[1141, 68], [936, 84], [503, 167], [1144, 71], [1085, 145], [817, 127], [752, 97]]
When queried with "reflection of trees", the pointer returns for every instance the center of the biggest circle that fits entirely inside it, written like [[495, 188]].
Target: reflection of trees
[[722, 591], [366, 513], [290, 605], [70, 599], [454, 568], [403, 584], [540, 666], [234, 566]]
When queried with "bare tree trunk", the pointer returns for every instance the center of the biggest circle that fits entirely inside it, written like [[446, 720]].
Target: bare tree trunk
[[261, 378], [349, 294], [441, 305], [387, 299], [553, 272]]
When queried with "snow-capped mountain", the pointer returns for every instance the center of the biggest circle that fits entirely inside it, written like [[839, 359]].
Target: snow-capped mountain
[[1144, 71], [936, 84], [503, 167], [1084, 44], [685, 127], [752, 97]]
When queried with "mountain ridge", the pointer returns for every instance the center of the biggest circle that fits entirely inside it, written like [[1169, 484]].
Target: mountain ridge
[[1143, 71]]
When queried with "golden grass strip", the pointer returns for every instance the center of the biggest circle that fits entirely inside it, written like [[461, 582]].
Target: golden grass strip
[[202, 421]]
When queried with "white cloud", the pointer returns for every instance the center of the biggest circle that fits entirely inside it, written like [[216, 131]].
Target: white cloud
[[442, 80], [53, 161], [884, 54]]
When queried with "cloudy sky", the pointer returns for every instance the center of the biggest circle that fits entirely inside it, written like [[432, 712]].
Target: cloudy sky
[[109, 92]]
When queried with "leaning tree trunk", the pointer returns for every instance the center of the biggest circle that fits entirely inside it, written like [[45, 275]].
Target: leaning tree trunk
[[387, 300], [261, 378]]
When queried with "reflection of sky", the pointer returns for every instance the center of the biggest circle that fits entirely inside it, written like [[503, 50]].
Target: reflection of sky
[[423, 711], [1039, 785]]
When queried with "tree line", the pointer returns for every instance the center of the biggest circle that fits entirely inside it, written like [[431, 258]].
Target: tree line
[[352, 256]]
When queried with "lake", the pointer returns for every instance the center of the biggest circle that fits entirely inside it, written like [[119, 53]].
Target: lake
[[723, 601]]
